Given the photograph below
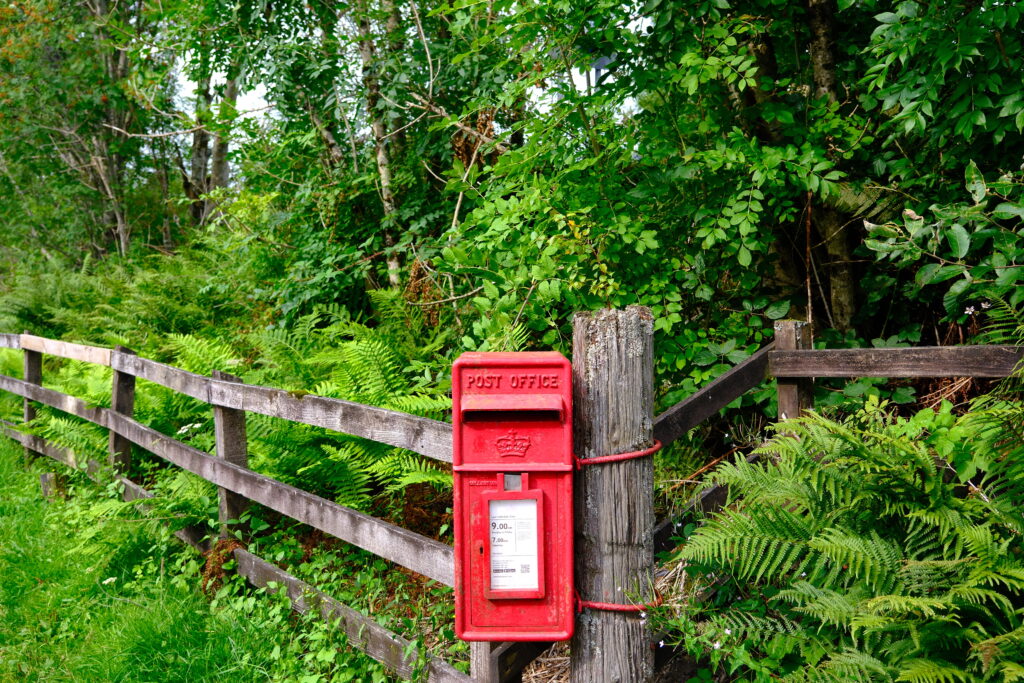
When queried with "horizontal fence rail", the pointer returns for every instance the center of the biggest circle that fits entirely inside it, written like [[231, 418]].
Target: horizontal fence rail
[[431, 438], [52, 347], [921, 361], [412, 432], [694, 409], [409, 549]]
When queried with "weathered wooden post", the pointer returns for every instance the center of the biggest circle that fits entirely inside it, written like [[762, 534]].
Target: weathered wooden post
[[613, 397], [32, 366], [482, 665], [232, 446], [53, 485], [795, 395], [122, 400]]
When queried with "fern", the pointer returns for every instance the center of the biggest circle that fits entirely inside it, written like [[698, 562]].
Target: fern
[[857, 534], [932, 671]]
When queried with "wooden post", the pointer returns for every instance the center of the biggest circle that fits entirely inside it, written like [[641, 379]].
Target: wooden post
[[795, 395], [232, 446], [483, 667], [122, 400], [613, 395], [32, 367], [53, 485]]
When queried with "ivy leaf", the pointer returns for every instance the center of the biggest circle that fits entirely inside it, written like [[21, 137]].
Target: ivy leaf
[[975, 182], [959, 240]]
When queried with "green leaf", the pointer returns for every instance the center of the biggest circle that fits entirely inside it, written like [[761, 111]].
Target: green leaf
[[925, 275], [959, 240], [744, 257], [975, 182], [1008, 210], [777, 310], [704, 357]]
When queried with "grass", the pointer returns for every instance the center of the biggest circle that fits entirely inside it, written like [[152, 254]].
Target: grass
[[89, 591]]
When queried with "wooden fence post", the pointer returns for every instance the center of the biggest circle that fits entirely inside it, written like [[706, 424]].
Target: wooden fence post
[[232, 446], [482, 665], [32, 367], [53, 485], [122, 400], [795, 395], [613, 395]]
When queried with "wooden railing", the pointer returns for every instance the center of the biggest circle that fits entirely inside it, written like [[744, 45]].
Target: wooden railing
[[786, 360], [427, 437]]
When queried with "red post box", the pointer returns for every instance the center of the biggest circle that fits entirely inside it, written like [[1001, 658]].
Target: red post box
[[513, 465]]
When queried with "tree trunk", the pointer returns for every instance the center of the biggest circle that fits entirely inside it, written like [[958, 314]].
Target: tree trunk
[[367, 52], [821, 19], [108, 164], [197, 181], [842, 278], [832, 225], [334, 151], [163, 164], [220, 172]]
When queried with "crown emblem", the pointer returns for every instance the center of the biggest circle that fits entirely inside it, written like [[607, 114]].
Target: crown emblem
[[512, 445]]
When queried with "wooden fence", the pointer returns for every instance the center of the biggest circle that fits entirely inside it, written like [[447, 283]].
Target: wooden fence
[[789, 360]]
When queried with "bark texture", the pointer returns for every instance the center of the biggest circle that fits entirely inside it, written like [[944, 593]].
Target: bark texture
[[371, 81], [613, 392]]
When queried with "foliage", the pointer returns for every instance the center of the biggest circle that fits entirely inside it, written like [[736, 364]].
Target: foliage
[[714, 161], [92, 591], [172, 310], [974, 250], [875, 548]]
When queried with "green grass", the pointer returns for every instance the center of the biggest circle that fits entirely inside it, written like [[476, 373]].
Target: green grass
[[89, 591]]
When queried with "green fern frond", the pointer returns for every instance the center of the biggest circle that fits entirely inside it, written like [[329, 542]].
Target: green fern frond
[[1004, 323], [905, 605], [86, 440], [931, 671], [752, 545], [740, 624], [1012, 672], [826, 605], [889, 555], [868, 558], [349, 482], [852, 665], [201, 355]]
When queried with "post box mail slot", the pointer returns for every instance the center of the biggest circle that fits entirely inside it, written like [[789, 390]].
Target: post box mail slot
[[512, 456]]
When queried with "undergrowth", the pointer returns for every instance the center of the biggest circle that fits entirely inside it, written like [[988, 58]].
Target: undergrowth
[[92, 591], [872, 548]]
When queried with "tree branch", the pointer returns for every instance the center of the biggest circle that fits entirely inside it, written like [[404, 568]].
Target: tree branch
[[425, 104]]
